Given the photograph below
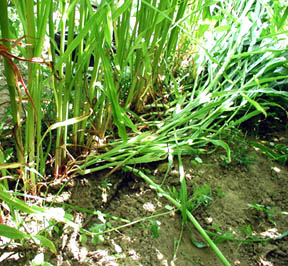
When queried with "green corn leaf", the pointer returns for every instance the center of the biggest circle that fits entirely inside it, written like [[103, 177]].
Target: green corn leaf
[[94, 20], [16, 203], [108, 25], [67, 122], [120, 10], [183, 190], [246, 117], [45, 242], [221, 143], [266, 150], [255, 104], [282, 20], [223, 28], [11, 165], [11, 232]]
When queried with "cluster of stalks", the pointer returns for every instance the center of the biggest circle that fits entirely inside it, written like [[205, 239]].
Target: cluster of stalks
[[133, 102]]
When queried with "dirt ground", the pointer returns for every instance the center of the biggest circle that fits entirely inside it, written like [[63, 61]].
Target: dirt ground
[[246, 200]]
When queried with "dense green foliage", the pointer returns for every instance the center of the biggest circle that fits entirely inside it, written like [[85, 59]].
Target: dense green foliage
[[169, 77]]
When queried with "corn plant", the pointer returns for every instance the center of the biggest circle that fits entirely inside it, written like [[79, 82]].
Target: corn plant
[[126, 41], [133, 105]]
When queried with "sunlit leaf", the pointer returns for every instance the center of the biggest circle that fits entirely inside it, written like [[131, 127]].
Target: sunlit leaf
[[11, 232]]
